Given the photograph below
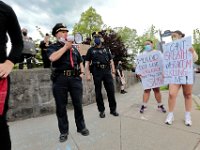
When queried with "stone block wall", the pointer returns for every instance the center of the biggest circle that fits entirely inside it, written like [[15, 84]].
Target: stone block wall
[[31, 93]]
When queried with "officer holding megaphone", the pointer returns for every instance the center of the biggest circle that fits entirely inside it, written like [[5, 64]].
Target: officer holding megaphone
[[67, 64]]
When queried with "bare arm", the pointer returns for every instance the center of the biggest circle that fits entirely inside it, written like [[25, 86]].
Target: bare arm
[[87, 68], [112, 67], [195, 56]]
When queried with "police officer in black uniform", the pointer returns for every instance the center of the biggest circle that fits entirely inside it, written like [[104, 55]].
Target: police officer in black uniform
[[67, 76], [102, 68]]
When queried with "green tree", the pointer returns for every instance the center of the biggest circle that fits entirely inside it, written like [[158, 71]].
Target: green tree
[[129, 38], [89, 22], [196, 45], [150, 34], [114, 42]]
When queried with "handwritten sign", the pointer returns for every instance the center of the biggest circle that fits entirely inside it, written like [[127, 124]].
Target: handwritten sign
[[150, 67], [178, 62], [82, 48]]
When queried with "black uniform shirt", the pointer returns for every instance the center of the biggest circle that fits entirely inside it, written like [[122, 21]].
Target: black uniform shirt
[[9, 24], [44, 47], [64, 62], [101, 55]]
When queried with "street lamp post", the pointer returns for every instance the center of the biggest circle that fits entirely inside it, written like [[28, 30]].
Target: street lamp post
[[166, 33]]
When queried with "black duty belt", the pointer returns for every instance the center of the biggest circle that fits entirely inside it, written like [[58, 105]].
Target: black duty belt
[[102, 66], [69, 73]]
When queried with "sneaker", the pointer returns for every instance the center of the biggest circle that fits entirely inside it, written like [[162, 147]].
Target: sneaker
[[169, 119], [63, 137], [142, 109], [162, 108], [188, 121], [123, 92], [84, 132]]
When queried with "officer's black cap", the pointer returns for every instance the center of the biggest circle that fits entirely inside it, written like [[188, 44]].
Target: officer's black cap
[[59, 27], [97, 34]]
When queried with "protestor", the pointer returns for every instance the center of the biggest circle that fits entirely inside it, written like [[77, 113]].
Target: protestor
[[29, 50], [148, 48], [8, 24], [174, 88], [121, 77]]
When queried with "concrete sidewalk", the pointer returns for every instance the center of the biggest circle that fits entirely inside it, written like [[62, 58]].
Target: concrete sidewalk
[[130, 131]]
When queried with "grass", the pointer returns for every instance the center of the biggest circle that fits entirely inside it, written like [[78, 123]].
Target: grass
[[164, 88]]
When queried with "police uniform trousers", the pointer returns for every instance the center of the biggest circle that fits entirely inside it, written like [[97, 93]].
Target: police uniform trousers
[[61, 86], [105, 76], [5, 143]]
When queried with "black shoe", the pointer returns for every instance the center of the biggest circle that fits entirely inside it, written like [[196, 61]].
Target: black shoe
[[142, 109], [123, 92], [162, 108], [114, 113], [63, 137], [102, 115], [84, 132]]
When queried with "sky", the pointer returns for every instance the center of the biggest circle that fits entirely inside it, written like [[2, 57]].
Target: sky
[[136, 14]]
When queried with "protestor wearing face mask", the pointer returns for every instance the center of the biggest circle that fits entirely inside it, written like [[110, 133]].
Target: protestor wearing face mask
[[174, 88], [68, 70], [148, 48], [29, 50], [103, 70]]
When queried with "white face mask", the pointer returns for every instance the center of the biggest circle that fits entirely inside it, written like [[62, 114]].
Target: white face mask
[[62, 40]]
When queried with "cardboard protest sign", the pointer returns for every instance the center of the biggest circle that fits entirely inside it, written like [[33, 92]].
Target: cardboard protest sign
[[150, 67], [178, 62], [82, 48]]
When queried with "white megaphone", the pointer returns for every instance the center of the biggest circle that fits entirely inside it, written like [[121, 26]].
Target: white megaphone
[[77, 38]]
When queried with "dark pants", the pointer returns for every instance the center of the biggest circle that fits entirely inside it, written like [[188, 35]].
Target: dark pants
[[28, 58], [61, 86], [5, 143], [105, 76], [45, 59]]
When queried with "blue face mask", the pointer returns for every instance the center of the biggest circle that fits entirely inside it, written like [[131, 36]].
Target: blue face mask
[[97, 41], [147, 47]]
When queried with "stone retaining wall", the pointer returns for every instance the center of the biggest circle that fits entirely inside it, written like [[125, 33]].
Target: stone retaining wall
[[31, 93]]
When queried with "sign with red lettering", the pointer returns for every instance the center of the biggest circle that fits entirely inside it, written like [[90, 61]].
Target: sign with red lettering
[[150, 67], [178, 62]]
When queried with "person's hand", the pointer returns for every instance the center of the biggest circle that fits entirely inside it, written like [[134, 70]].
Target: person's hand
[[6, 68], [88, 77], [81, 75], [191, 49], [68, 45], [113, 74], [138, 76]]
